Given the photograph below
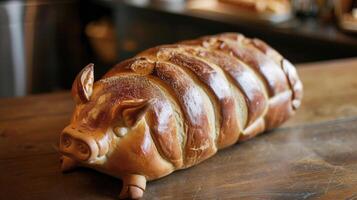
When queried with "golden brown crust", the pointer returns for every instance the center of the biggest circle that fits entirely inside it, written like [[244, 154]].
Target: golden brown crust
[[294, 83], [278, 74], [266, 49], [280, 109], [257, 127], [266, 67], [199, 143], [202, 93], [244, 79], [260, 73], [217, 84], [137, 154], [160, 116]]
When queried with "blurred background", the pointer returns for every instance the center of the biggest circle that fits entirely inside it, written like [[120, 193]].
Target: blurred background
[[44, 44]]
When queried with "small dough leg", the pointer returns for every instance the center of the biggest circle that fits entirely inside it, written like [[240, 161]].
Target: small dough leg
[[67, 164], [133, 187]]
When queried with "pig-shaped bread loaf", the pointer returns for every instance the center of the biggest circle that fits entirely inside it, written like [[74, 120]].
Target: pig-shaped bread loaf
[[173, 106]]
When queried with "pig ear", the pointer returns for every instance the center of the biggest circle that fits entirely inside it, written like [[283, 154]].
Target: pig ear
[[132, 111], [82, 87]]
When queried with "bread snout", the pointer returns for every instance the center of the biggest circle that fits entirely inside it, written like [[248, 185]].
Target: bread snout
[[78, 145]]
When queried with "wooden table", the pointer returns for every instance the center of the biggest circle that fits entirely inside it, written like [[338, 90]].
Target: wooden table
[[313, 156]]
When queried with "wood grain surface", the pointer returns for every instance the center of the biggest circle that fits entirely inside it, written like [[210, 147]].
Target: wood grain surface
[[313, 156]]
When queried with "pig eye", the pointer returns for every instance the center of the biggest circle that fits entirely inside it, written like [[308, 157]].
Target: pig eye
[[66, 141], [120, 131], [82, 148]]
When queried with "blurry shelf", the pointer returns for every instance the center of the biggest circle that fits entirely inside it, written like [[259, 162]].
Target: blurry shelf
[[305, 28]]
